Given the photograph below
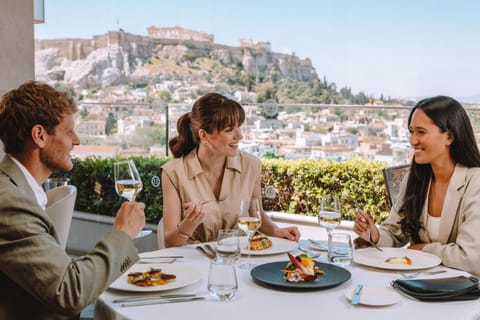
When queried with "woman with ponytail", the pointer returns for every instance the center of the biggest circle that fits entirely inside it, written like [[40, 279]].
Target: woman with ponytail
[[202, 187]]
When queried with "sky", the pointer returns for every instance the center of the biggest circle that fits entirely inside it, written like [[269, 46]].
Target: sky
[[398, 48]]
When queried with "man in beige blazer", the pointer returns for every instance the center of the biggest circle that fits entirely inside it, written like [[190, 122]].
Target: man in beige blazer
[[38, 280]]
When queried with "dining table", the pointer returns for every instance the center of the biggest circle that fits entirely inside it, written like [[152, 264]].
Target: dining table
[[259, 300]]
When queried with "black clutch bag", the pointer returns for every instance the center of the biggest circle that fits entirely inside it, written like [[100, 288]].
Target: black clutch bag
[[443, 289]]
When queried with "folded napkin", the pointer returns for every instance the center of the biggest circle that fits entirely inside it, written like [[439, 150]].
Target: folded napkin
[[442, 289]]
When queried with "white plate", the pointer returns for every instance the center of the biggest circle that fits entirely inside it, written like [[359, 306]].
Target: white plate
[[186, 275], [279, 245], [374, 296], [374, 258]]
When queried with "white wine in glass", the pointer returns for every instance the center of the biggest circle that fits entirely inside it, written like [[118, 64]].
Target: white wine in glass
[[249, 221], [329, 215], [127, 180]]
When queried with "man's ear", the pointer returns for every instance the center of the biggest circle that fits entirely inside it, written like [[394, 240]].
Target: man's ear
[[39, 135]]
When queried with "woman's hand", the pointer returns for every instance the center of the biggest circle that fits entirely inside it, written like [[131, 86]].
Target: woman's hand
[[365, 227], [290, 233], [193, 215]]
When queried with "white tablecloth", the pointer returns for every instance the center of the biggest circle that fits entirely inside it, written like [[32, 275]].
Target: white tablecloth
[[254, 301]]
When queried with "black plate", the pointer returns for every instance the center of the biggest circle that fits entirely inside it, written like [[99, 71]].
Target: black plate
[[271, 274]]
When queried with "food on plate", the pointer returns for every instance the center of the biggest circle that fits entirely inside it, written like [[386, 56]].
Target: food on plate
[[260, 242], [399, 260], [301, 268], [150, 278]]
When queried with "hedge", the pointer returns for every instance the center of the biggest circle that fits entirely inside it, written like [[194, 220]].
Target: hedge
[[297, 186]]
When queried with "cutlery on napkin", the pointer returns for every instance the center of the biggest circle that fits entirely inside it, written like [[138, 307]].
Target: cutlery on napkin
[[356, 295]]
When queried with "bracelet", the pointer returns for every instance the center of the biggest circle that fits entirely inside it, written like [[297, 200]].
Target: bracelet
[[180, 232]]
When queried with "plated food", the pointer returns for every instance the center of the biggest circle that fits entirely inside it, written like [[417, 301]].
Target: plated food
[[260, 242], [150, 278], [396, 258], [279, 245], [301, 268], [399, 260]]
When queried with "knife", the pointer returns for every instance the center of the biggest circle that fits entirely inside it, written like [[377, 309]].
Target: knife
[[159, 301], [356, 295], [161, 257], [162, 296]]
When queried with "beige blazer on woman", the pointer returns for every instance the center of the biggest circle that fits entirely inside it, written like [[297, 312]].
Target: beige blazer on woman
[[459, 242]]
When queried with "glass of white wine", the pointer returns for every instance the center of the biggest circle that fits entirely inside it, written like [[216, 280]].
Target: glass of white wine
[[329, 215], [127, 180], [249, 221]]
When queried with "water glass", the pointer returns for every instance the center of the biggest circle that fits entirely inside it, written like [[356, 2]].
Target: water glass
[[228, 245], [341, 253], [222, 280]]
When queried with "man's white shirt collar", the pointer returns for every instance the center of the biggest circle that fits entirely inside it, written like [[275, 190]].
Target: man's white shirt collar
[[40, 194]]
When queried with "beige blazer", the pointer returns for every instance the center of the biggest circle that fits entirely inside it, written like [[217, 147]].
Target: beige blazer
[[242, 175], [38, 280], [459, 243]]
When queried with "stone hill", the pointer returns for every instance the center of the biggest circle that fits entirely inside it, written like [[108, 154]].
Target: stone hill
[[119, 58]]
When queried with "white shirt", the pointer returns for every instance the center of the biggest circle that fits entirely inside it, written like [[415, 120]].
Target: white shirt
[[40, 194], [433, 227]]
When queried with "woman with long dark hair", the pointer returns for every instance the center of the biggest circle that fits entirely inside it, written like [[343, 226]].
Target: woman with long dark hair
[[438, 206], [202, 187]]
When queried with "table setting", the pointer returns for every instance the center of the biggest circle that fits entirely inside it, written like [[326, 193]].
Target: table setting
[[227, 278], [263, 289]]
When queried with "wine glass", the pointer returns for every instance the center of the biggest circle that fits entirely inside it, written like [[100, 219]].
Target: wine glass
[[329, 216], [249, 221], [127, 180]]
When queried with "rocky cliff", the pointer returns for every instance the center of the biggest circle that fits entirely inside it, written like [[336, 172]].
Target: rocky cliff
[[117, 58]]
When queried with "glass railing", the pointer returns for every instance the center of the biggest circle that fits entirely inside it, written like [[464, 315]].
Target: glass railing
[[314, 131]]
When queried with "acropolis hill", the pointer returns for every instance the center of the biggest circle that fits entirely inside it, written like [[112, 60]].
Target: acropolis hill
[[118, 57]]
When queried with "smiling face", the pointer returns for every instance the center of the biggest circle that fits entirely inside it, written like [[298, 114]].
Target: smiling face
[[55, 154], [223, 142], [431, 146]]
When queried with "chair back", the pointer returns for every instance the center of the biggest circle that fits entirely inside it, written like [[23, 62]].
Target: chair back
[[393, 177], [160, 235], [60, 205]]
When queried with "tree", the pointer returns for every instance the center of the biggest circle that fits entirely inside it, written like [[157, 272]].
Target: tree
[[110, 124]]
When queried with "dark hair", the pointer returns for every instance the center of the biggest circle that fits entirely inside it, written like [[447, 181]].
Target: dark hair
[[30, 104], [211, 112], [448, 115]]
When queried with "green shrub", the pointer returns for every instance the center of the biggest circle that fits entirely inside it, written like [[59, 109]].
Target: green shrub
[[298, 185], [93, 178]]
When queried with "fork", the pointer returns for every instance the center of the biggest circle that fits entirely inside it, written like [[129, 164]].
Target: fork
[[373, 244], [416, 274]]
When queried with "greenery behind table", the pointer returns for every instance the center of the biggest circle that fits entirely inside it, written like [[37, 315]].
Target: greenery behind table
[[298, 185]]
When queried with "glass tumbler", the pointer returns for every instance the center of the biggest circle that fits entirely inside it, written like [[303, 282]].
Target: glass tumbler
[[228, 245], [341, 253], [222, 279]]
